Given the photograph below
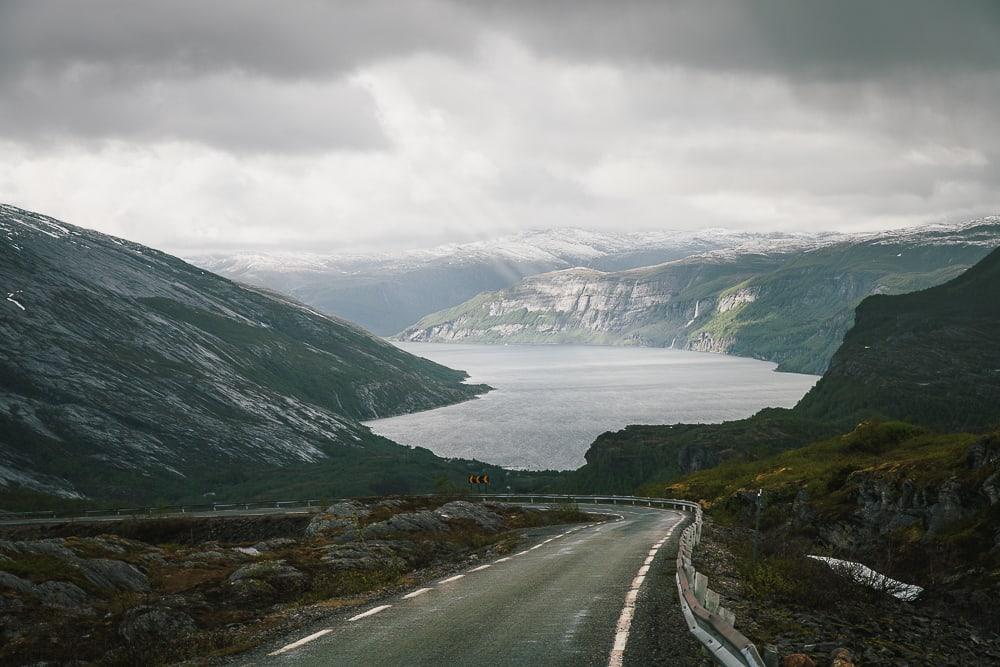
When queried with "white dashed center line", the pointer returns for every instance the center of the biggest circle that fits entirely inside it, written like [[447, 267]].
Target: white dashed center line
[[304, 640], [419, 591], [370, 612]]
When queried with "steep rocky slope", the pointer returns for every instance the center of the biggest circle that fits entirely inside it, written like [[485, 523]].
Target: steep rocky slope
[[931, 357], [125, 372], [787, 304]]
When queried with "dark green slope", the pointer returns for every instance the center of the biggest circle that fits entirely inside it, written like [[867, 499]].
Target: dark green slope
[[930, 357], [804, 308], [128, 373]]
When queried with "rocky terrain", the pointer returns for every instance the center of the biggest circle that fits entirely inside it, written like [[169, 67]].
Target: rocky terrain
[[390, 291], [165, 590], [784, 303], [127, 373], [822, 615], [920, 507]]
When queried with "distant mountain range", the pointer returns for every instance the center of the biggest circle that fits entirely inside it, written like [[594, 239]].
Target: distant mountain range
[[388, 292], [787, 300], [127, 374]]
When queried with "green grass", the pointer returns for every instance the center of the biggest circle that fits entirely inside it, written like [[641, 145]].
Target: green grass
[[38, 568], [822, 469]]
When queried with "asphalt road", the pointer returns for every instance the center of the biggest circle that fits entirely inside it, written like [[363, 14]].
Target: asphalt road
[[577, 595]]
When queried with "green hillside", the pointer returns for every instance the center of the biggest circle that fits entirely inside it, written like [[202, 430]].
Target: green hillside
[[931, 358], [791, 306]]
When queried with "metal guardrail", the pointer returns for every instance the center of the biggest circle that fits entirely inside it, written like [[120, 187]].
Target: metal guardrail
[[712, 624], [317, 504]]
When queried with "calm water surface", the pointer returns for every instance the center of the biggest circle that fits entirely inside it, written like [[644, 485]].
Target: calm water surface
[[551, 401]]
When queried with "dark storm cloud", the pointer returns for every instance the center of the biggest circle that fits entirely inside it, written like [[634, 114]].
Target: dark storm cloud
[[790, 38], [197, 123], [281, 39], [251, 74], [259, 76]]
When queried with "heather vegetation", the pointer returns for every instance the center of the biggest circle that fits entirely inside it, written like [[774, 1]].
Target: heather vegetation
[[166, 590]]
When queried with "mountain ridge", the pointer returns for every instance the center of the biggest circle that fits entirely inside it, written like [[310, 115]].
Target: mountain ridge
[[123, 368], [786, 303], [387, 292]]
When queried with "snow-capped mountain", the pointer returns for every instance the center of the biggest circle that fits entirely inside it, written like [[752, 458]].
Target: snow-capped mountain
[[389, 291]]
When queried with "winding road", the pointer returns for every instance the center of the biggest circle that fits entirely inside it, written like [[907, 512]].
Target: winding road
[[598, 594]]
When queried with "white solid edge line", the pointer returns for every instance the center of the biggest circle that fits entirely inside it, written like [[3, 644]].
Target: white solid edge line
[[419, 591], [451, 579], [304, 640], [522, 552], [617, 655], [370, 612], [501, 560], [481, 567]]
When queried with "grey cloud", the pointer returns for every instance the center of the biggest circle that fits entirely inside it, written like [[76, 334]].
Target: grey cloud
[[238, 75], [149, 59], [854, 39], [294, 39], [234, 112]]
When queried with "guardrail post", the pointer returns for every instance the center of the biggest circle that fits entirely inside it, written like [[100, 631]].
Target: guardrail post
[[700, 586], [711, 601]]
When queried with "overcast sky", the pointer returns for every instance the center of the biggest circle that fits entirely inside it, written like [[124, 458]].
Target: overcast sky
[[195, 126]]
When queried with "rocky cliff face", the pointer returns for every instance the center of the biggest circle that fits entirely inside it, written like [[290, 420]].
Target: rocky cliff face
[[660, 306], [889, 501], [791, 307], [125, 371]]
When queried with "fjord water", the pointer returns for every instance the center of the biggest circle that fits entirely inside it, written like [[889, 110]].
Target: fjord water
[[550, 401]]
